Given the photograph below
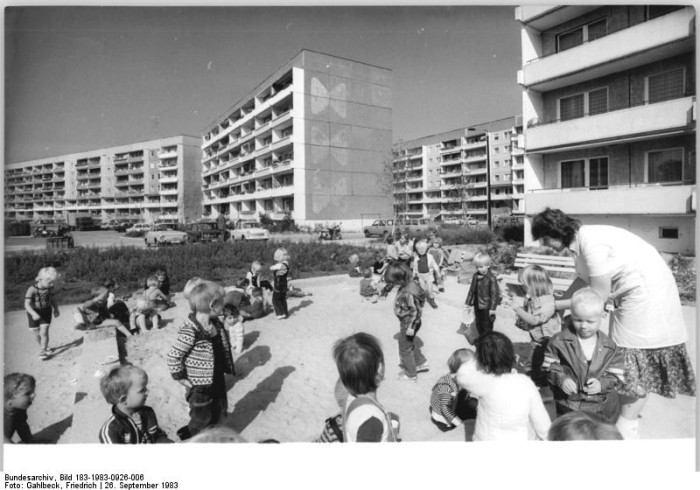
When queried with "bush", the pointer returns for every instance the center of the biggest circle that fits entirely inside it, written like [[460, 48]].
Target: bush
[[683, 269], [83, 269], [502, 255], [511, 233], [286, 224]]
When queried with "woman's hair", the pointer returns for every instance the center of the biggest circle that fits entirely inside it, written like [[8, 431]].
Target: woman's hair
[[582, 426], [536, 281], [367, 273], [47, 273], [554, 223], [459, 357], [205, 295], [152, 281], [117, 382], [358, 359], [481, 259], [280, 254], [397, 274], [13, 383], [190, 285], [495, 353]]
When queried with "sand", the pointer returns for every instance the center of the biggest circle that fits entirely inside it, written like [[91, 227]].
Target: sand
[[285, 376]]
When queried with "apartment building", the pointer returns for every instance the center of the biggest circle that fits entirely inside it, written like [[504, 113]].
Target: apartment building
[[142, 180], [609, 113], [311, 141], [466, 173]]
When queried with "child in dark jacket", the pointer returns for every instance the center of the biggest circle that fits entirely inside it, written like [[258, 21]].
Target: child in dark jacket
[[132, 422], [450, 406], [408, 308], [484, 294], [583, 365]]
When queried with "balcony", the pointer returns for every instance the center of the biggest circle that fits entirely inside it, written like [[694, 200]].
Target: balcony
[[645, 43], [545, 17], [167, 154], [633, 122], [168, 178], [650, 199], [168, 191], [475, 158]]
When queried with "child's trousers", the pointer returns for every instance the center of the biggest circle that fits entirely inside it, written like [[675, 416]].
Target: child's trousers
[[279, 303], [426, 283], [533, 363], [483, 321], [409, 351], [208, 406]]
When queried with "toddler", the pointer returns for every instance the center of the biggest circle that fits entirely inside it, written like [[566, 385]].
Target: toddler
[[201, 356], [144, 316], [19, 395], [163, 282], [355, 269], [360, 362], [40, 303], [408, 308], [484, 294], [233, 322], [254, 281], [583, 365], [450, 406], [154, 295], [533, 317], [368, 288], [426, 270], [281, 272], [440, 258], [132, 422]]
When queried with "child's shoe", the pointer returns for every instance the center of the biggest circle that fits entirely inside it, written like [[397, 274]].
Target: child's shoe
[[281, 317], [44, 355], [405, 377], [425, 367]]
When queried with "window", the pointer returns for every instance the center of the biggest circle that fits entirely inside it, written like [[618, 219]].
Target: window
[[668, 232], [591, 173], [665, 86], [598, 173], [587, 103], [573, 174], [654, 11], [665, 165], [586, 33]]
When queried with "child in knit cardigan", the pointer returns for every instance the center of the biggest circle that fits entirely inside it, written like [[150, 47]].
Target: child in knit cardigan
[[201, 356]]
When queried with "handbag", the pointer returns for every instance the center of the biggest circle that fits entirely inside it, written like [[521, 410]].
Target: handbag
[[468, 326]]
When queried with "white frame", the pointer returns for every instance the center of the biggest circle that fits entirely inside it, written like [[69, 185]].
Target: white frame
[[586, 107], [646, 81], [586, 170], [646, 162], [584, 27]]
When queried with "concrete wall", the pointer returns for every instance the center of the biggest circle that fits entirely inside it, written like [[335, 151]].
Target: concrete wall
[[190, 197]]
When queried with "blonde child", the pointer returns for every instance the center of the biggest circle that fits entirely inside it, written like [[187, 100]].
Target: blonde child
[[426, 270], [201, 356], [484, 294], [440, 257], [533, 317], [233, 322], [368, 287], [583, 365], [355, 269], [281, 273], [40, 303], [132, 422], [154, 295], [19, 395], [254, 281], [143, 316], [449, 405]]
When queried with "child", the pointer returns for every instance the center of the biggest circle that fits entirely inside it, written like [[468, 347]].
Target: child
[[582, 426], [163, 282], [144, 316], [368, 288], [404, 249], [201, 356], [450, 406], [440, 258], [583, 365], [408, 308], [425, 269], [19, 395], [256, 307], [509, 402], [40, 302], [281, 272], [233, 322], [95, 311], [253, 277], [155, 296], [360, 362], [132, 422], [484, 294], [380, 263], [539, 298], [355, 269]]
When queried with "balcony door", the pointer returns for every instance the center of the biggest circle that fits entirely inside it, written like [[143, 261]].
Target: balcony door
[[665, 166], [591, 173]]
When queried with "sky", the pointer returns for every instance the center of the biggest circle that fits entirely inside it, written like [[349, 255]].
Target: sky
[[83, 78]]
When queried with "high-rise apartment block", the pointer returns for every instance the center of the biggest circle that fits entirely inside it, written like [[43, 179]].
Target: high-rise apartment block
[[472, 173], [311, 142], [609, 114], [143, 181]]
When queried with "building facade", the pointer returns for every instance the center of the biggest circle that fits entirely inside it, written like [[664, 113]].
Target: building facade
[[140, 181], [310, 142], [472, 173], [609, 113]]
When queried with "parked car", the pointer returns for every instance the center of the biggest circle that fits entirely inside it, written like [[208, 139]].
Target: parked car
[[124, 225], [109, 224], [206, 231], [249, 230], [164, 235], [383, 227], [138, 230], [453, 221]]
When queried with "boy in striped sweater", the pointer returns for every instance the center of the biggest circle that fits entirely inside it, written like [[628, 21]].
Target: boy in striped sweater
[[449, 406], [200, 358]]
